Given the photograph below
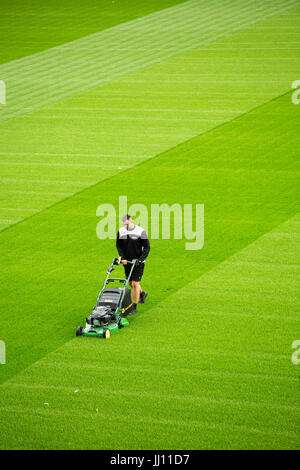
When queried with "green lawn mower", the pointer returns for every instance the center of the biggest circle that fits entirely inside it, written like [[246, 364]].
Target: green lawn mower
[[112, 306]]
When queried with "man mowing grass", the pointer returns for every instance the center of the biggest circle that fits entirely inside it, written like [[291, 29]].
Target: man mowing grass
[[133, 243]]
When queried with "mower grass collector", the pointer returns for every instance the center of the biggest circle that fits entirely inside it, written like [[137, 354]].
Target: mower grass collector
[[112, 306]]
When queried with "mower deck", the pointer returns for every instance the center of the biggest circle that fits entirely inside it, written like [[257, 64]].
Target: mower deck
[[100, 330], [112, 306]]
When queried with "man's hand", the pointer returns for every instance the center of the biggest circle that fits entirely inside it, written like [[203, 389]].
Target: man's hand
[[124, 261]]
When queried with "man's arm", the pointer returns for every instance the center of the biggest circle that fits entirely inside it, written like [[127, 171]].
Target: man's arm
[[119, 245], [146, 246]]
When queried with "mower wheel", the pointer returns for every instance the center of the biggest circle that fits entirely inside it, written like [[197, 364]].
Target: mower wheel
[[79, 331], [106, 333]]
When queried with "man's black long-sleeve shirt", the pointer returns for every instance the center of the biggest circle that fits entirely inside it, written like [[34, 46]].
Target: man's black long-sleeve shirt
[[133, 243]]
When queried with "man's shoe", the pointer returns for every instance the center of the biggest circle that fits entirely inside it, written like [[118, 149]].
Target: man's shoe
[[133, 310], [143, 297]]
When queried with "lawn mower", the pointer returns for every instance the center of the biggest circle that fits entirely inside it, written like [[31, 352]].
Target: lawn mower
[[112, 306]]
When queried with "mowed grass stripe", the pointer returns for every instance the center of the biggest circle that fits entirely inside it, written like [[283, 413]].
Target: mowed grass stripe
[[195, 424], [143, 114], [65, 70], [77, 364], [214, 392], [161, 381], [24, 388], [29, 26]]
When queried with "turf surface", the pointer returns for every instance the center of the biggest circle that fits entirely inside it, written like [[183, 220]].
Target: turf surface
[[207, 362], [243, 204], [65, 70], [67, 146]]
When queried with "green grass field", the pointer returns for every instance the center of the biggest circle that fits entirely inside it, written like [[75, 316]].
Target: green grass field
[[165, 102]]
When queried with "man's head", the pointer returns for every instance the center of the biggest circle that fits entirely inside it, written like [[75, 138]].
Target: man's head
[[127, 221]]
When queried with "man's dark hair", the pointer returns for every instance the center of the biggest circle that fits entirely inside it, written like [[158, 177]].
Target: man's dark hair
[[126, 217]]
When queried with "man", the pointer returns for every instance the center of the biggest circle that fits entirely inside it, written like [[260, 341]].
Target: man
[[133, 243]]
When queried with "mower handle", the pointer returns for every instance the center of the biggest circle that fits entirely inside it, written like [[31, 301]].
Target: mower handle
[[116, 261]]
